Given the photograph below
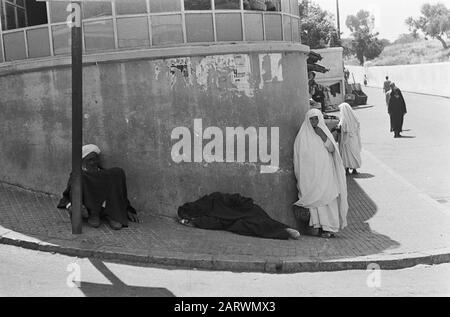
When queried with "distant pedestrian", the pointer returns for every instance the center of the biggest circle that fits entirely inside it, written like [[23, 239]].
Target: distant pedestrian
[[387, 85], [349, 139], [396, 110], [320, 174], [365, 80]]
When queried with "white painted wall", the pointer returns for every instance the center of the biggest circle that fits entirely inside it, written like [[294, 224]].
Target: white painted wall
[[433, 79]]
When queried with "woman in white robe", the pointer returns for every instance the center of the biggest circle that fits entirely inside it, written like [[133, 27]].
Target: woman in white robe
[[350, 139], [320, 176]]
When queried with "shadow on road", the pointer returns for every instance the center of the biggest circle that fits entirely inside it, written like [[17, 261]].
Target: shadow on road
[[361, 209], [362, 176], [118, 288]]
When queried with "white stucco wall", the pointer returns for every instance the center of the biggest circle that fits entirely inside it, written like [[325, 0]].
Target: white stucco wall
[[433, 79]]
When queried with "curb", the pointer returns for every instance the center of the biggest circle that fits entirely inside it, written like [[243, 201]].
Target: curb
[[222, 263]]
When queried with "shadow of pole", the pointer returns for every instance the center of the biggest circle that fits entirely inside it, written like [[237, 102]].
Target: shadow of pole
[[118, 288]]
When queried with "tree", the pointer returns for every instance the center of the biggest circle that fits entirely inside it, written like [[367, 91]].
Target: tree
[[317, 26], [434, 22], [365, 43]]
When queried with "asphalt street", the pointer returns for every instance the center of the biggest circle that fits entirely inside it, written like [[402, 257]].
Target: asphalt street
[[422, 156]]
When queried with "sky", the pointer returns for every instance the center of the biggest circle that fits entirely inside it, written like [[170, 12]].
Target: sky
[[390, 15]]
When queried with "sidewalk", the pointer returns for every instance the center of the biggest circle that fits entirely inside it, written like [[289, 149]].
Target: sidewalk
[[391, 223]]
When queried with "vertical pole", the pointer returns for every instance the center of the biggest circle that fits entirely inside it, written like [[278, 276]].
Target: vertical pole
[[77, 124], [338, 19]]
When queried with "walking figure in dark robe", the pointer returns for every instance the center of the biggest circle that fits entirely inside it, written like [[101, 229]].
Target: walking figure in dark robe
[[104, 192], [396, 110]]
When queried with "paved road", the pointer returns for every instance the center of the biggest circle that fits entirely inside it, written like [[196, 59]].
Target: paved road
[[422, 157], [30, 273]]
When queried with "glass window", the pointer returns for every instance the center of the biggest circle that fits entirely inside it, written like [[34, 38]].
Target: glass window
[[99, 35], [1, 53], [294, 7], [20, 3], [164, 5], [96, 9], [58, 11], [133, 32], [61, 39], [273, 27], [296, 29], [2, 17], [287, 28], [199, 28], [229, 27], [10, 17], [273, 5], [227, 4], [21, 19], [197, 4], [38, 42], [166, 29], [254, 27], [131, 6], [285, 6], [14, 46]]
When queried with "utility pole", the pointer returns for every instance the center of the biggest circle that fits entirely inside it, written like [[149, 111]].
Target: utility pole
[[77, 118], [338, 19]]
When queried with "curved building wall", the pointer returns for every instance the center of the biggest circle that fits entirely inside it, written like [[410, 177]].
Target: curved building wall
[[140, 106]]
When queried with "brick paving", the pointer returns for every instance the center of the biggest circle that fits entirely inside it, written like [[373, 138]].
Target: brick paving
[[388, 219]]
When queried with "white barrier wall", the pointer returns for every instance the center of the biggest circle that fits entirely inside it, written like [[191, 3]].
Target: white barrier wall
[[433, 79]]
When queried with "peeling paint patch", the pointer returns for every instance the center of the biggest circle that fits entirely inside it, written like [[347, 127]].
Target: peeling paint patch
[[232, 71], [271, 68]]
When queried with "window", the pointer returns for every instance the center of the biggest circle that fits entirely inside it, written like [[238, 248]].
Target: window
[[133, 32], [227, 4], [287, 28], [229, 26], [296, 29], [254, 27], [38, 42], [61, 39], [58, 12], [99, 35], [14, 46], [96, 9], [1, 53], [199, 27], [273, 27], [131, 7], [15, 14], [164, 6], [166, 29], [197, 4]]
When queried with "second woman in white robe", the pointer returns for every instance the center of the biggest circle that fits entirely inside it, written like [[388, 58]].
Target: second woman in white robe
[[350, 138]]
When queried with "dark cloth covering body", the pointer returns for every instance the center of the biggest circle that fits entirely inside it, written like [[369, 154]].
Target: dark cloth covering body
[[397, 110], [234, 213], [103, 185]]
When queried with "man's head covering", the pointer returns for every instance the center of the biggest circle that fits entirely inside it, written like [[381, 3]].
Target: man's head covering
[[89, 148]]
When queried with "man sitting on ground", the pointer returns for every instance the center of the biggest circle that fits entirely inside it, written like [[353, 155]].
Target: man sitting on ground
[[104, 192]]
